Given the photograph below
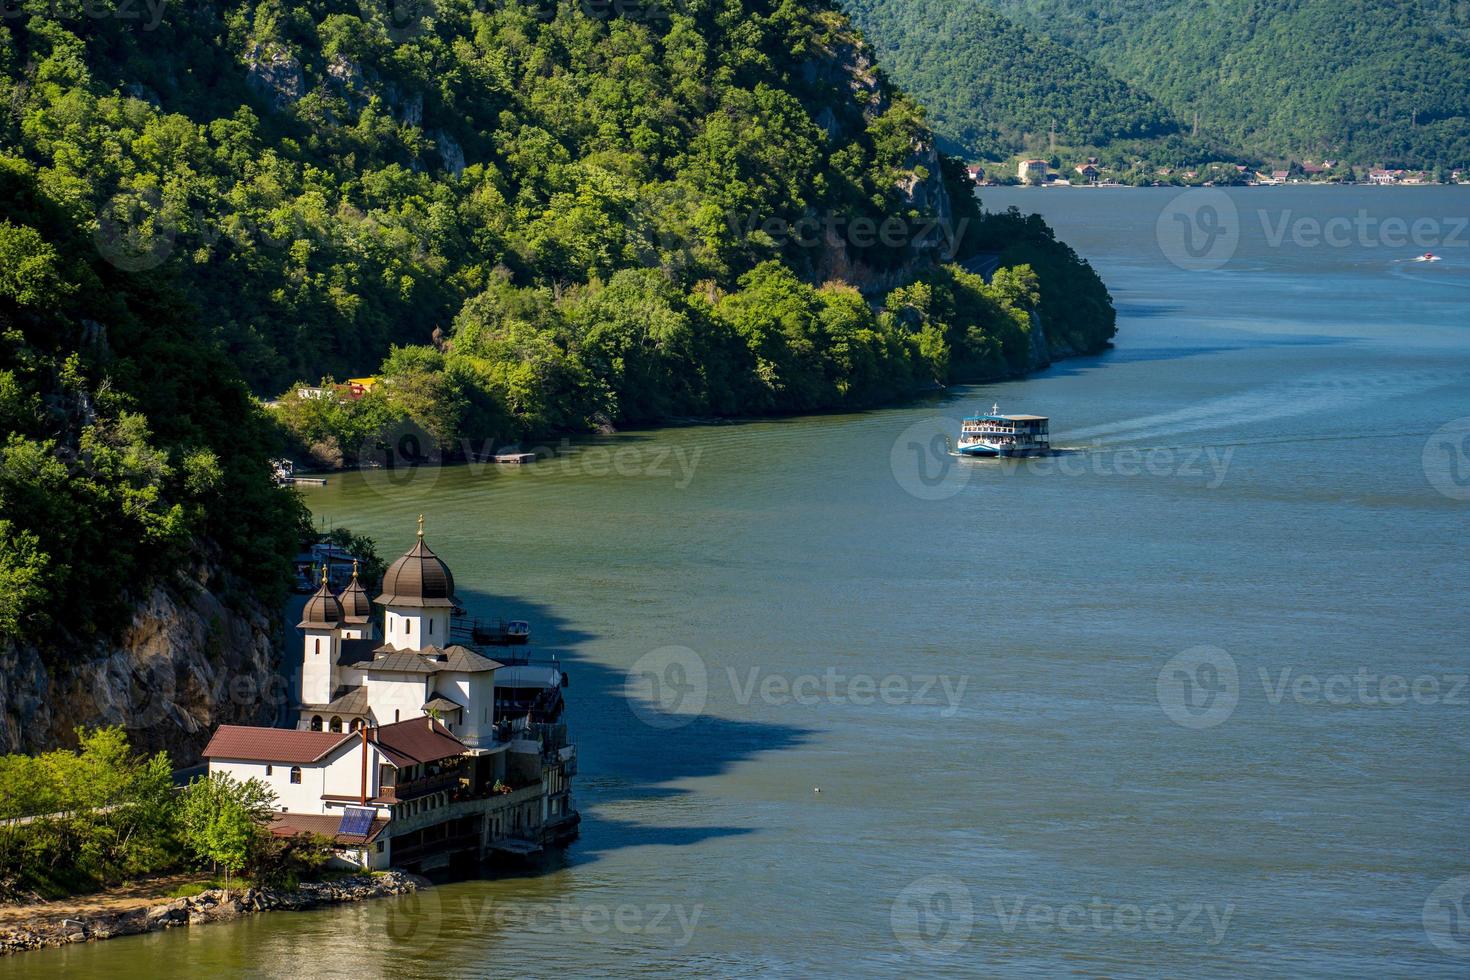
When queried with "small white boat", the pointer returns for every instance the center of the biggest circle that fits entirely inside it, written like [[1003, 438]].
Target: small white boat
[[1427, 257]]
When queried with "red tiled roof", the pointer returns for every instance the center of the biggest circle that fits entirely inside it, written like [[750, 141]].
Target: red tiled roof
[[416, 741], [326, 824], [283, 745]]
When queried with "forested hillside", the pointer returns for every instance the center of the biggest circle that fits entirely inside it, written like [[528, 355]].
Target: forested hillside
[[993, 88], [1343, 79], [526, 218]]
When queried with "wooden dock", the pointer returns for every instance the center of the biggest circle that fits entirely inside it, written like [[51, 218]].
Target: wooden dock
[[515, 459]]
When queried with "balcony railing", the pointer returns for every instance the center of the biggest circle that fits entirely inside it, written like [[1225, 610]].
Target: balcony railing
[[414, 788]]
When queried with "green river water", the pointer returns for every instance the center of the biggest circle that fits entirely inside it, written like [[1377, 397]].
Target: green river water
[[1191, 699]]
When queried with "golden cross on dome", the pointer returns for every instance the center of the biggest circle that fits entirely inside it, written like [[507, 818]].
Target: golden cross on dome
[[354, 568], [421, 525], [324, 573]]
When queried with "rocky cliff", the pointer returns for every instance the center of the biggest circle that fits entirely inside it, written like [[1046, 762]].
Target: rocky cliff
[[184, 664]]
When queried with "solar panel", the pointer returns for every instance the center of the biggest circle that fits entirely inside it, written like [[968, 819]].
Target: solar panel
[[357, 822]]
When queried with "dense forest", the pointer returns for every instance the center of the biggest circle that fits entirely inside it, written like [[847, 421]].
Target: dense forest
[[1273, 80], [993, 88], [524, 217]]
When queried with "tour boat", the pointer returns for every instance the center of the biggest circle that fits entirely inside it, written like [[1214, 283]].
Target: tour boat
[[1004, 435]]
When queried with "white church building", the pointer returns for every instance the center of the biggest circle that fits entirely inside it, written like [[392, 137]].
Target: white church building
[[350, 679], [402, 754]]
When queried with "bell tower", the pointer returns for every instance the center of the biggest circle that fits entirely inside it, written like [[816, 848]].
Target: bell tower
[[321, 621]]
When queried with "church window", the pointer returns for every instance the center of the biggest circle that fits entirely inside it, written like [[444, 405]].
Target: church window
[[296, 774]]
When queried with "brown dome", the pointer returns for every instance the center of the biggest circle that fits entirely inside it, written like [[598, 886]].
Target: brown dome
[[323, 610], [419, 578], [356, 606]]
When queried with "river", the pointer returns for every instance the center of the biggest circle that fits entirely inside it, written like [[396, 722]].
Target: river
[[1190, 698]]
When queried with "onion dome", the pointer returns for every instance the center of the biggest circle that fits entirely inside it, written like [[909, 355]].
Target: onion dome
[[323, 610], [356, 606], [419, 578]]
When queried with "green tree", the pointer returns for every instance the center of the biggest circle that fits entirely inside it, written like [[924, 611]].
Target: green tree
[[222, 817]]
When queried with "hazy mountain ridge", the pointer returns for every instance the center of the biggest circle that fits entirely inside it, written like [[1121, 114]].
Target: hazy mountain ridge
[[1269, 80]]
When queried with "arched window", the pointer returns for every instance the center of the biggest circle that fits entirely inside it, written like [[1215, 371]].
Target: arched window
[[356, 724], [395, 714], [408, 627], [336, 724], [296, 774], [317, 645], [431, 627], [316, 723]]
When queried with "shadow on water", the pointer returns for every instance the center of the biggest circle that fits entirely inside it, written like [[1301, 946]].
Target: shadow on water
[[623, 759]]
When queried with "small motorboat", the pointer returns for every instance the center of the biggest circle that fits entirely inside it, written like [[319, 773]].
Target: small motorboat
[[1427, 257]]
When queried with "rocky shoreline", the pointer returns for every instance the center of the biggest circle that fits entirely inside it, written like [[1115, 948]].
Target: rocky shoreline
[[207, 907]]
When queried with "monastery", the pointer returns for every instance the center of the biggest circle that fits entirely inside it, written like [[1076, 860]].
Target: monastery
[[415, 750]]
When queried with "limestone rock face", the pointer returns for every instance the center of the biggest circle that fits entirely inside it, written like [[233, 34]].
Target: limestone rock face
[[185, 664], [450, 152], [272, 71], [848, 68]]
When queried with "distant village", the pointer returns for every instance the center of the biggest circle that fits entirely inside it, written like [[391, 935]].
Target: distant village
[[1091, 173]]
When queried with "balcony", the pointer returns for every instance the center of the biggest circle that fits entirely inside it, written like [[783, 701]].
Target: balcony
[[415, 788]]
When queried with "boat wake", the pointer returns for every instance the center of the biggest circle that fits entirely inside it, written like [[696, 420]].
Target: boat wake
[[1307, 396]]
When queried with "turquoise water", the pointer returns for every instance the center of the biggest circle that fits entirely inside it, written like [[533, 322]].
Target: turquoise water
[[1188, 700]]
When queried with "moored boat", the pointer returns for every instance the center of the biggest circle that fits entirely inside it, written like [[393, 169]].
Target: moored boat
[[1004, 435]]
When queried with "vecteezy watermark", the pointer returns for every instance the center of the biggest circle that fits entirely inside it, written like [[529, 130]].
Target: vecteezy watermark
[[674, 462], [147, 13], [421, 919], [133, 233], [1184, 462], [936, 916], [926, 466], [923, 463], [860, 231], [933, 916], [833, 686], [1364, 686], [670, 687], [404, 455], [136, 233], [1199, 229], [1204, 919], [1199, 688], [1361, 230], [1202, 687], [1447, 916], [149, 693], [1446, 459], [635, 11], [667, 687], [669, 921], [402, 20]]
